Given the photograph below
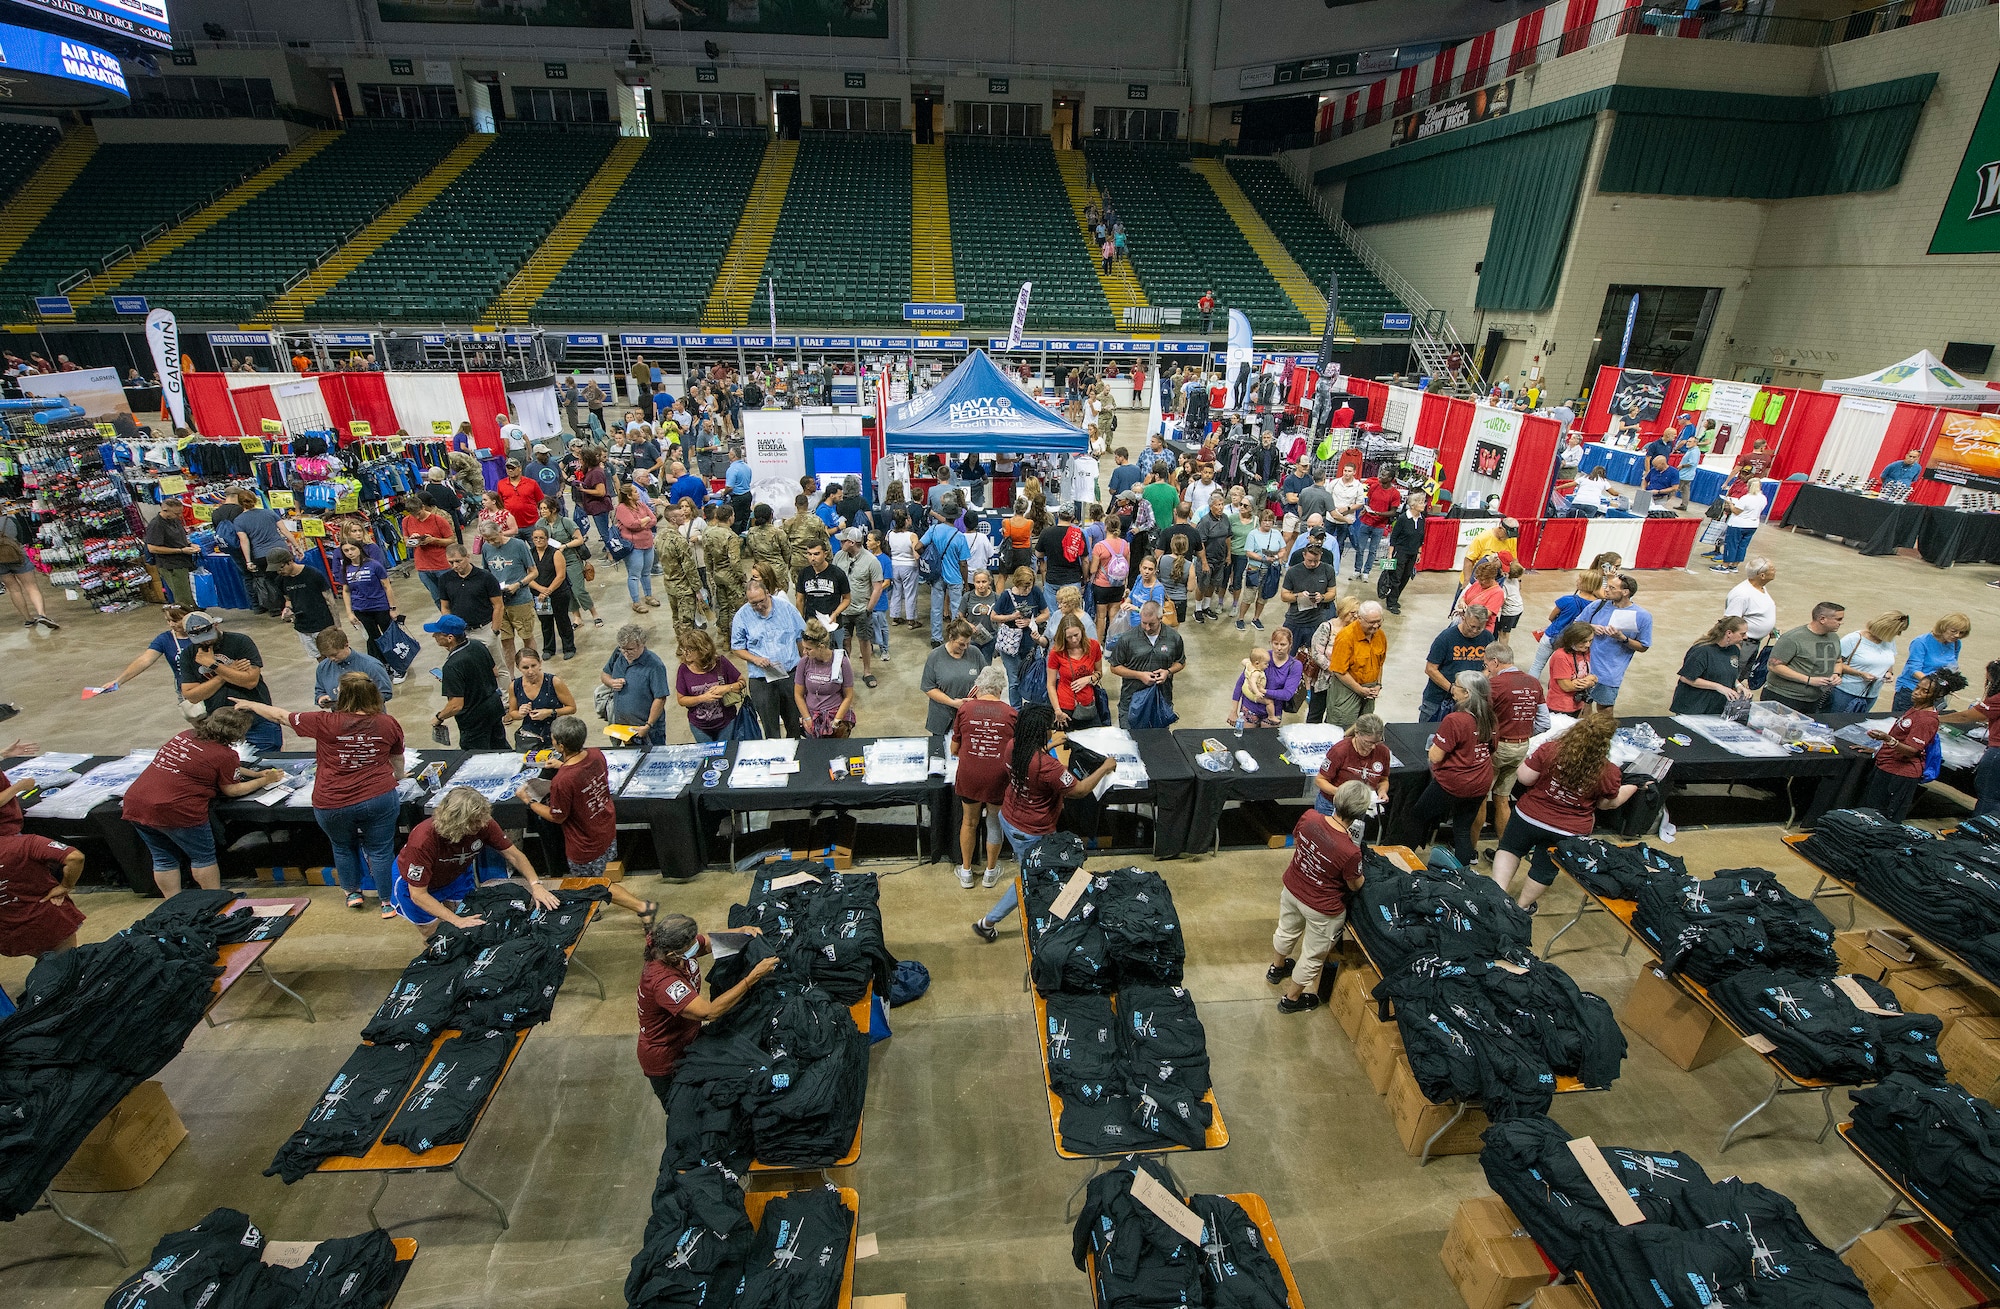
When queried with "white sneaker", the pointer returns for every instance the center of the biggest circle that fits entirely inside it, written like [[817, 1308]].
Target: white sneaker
[[965, 879], [991, 877]]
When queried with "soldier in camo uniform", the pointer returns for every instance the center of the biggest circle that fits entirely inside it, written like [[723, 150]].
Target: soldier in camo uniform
[[725, 566], [680, 577], [805, 530], [767, 543]]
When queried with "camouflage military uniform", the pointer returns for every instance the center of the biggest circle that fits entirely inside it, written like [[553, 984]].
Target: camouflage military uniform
[[680, 578], [805, 531], [725, 576], [770, 545]]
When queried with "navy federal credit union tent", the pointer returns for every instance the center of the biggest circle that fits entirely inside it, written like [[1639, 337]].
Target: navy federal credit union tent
[[981, 410]]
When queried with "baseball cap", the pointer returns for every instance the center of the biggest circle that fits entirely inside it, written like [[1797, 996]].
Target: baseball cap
[[434, 475], [541, 449], [448, 625], [201, 629], [277, 558], [851, 534]]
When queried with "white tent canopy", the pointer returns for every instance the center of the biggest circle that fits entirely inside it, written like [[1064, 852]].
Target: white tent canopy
[[1921, 379]]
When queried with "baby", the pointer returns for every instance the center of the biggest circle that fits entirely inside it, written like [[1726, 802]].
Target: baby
[[1251, 698]]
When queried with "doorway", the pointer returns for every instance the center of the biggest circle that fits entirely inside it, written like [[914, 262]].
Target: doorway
[[1489, 353], [494, 99], [1669, 330], [1063, 120], [925, 106], [785, 112]]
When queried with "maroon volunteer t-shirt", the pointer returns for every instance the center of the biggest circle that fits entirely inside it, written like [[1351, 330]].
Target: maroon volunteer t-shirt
[[1467, 766], [1563, 808], [1034, 808], [1516, 699], [1345, 764], [580, 801], [982, 734], [664, 1031], [430, 860], [1326, 864], [176, 788], [356, 754], [1915, 730]]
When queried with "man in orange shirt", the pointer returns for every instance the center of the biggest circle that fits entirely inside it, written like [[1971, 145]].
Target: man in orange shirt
[[1355, 663]]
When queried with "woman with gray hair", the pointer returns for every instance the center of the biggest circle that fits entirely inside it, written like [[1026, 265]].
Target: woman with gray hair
[[639, 686], [1312, 906], [1461, 760], [671, 1005], [982, 740]]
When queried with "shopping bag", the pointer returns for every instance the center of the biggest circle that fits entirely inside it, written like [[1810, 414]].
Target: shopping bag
[[1035, 680], [399, 649], [1149, 709], [745, 726]]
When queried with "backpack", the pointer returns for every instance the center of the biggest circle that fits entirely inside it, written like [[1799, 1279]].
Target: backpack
[[1933, 758], [930, 561], [1118, 566], [1074, 547], [910, 980]]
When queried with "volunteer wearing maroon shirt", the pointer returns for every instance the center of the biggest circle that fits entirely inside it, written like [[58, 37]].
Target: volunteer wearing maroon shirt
[[437, 867], [982, 739], [580, 803], [1986, 776], [1360, 756], [1519, 708], [1037, 785], [37, 916], [1312, 907], [1461, 756], [671, 1005], [1899, 763], [358, 760], [1568, 779], [168, 804]]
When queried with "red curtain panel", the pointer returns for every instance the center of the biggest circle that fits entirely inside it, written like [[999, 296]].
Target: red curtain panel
[[1527, 35], [209, 405], [1457, 429], [1666, 542], [485, 396], [368, 397], [253, 405], [1597, 414], [1558, 543], [1525, 495], [1440, 550]]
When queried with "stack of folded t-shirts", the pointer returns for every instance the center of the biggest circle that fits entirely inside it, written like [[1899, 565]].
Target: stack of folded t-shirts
[[697, 1243], [94, 1022], [1449, 912], [220, 1262], [488, 982], [1616, 872], [1500, 1032], [1701, 1244], [1846, 841], [1942, 1145], [1948, 889], [1709, 928], [1140, 1261], [829, 929], [1820, 1030]]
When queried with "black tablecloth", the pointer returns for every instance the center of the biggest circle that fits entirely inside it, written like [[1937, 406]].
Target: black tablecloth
[[813, 788], [1169, 791], [1954, 536], [1275, 778], [1942, 535]]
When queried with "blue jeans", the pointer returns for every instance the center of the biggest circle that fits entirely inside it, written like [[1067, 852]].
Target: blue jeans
[[1011, 897], [265, 735], [878, 626], [430, 581], [168, 844], [1736, 543], [362, 831], [1016, 664], [603, 522], [944, 601], [1048, 593], [1367, 543], [639, 572], [1840, 702]]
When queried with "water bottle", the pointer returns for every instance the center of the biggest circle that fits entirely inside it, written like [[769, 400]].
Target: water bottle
[[1239, 720]]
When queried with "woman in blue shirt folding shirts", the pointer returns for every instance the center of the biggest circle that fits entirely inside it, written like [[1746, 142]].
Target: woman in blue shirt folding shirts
[[764, 638], [1935, 649]]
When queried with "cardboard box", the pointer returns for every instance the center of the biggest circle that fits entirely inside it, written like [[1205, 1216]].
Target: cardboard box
[[1940, 992], [1863, 954], [1567, 1296], [1417, 1119], [1687, 1034], [1879, 1258], [614, 870], [128, 1147], [1380, 1049], [837, 857], [1489, 1259], [1353, 1004], [1970, 1050], [1935, 1286]]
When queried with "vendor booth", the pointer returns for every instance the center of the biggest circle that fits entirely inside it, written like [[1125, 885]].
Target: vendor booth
[[977, 408], [783, 445]]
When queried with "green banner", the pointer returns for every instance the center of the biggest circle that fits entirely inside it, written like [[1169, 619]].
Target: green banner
[[1970, 223]]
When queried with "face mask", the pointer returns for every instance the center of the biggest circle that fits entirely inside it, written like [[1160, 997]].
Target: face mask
[[694, 948]]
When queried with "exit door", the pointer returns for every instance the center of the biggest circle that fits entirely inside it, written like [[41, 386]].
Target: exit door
[[1062, 122], [923, 117], [785, 114]]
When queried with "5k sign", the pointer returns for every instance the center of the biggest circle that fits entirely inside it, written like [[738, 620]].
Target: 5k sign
[[1970, 223]]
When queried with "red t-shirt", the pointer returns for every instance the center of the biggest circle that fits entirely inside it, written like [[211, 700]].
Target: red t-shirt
[[1067, 669], [1914, 729], [1325, 862], [430, 555], [430, 860], [580, 801], [177, 787], [1383, 502], [30, 925], [982, 734], [664, 1032], [1557, 806], [1516, 698], [1345, 764], [523, 499], [1467, 766], [356, 753], [1565, 665], [1034, 808]]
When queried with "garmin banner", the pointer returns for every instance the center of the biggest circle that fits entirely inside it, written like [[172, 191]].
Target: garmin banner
[[163, 333]]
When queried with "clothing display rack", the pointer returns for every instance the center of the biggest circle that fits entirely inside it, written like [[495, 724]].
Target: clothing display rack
[[85, 526]]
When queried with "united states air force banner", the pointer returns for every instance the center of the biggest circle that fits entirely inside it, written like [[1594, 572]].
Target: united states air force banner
[[1970, 223]]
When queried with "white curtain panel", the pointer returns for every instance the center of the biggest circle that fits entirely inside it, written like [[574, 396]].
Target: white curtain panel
[[237, 381], [302, 406], [1619, 534], [1854, 436], [425, 398], [538, 413]]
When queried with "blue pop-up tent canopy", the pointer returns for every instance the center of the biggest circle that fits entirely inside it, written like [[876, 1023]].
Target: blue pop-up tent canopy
[[979, 409]]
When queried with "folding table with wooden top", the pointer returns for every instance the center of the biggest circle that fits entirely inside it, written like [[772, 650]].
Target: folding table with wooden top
[[777, 1177], [1904, 1205], [241, 958], [1565, 1084], [390, 1160], [753, 1205], [1796, 844], [1216, 1137], [1259, 1213], [290, 1254]]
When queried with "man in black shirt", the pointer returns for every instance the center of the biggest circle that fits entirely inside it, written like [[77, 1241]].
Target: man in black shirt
[[823, 590], [473, 594], [471, 695], [172, 554], [219, 668], [1063, 549], [307, 598], [1309, 587], [438, 490]]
